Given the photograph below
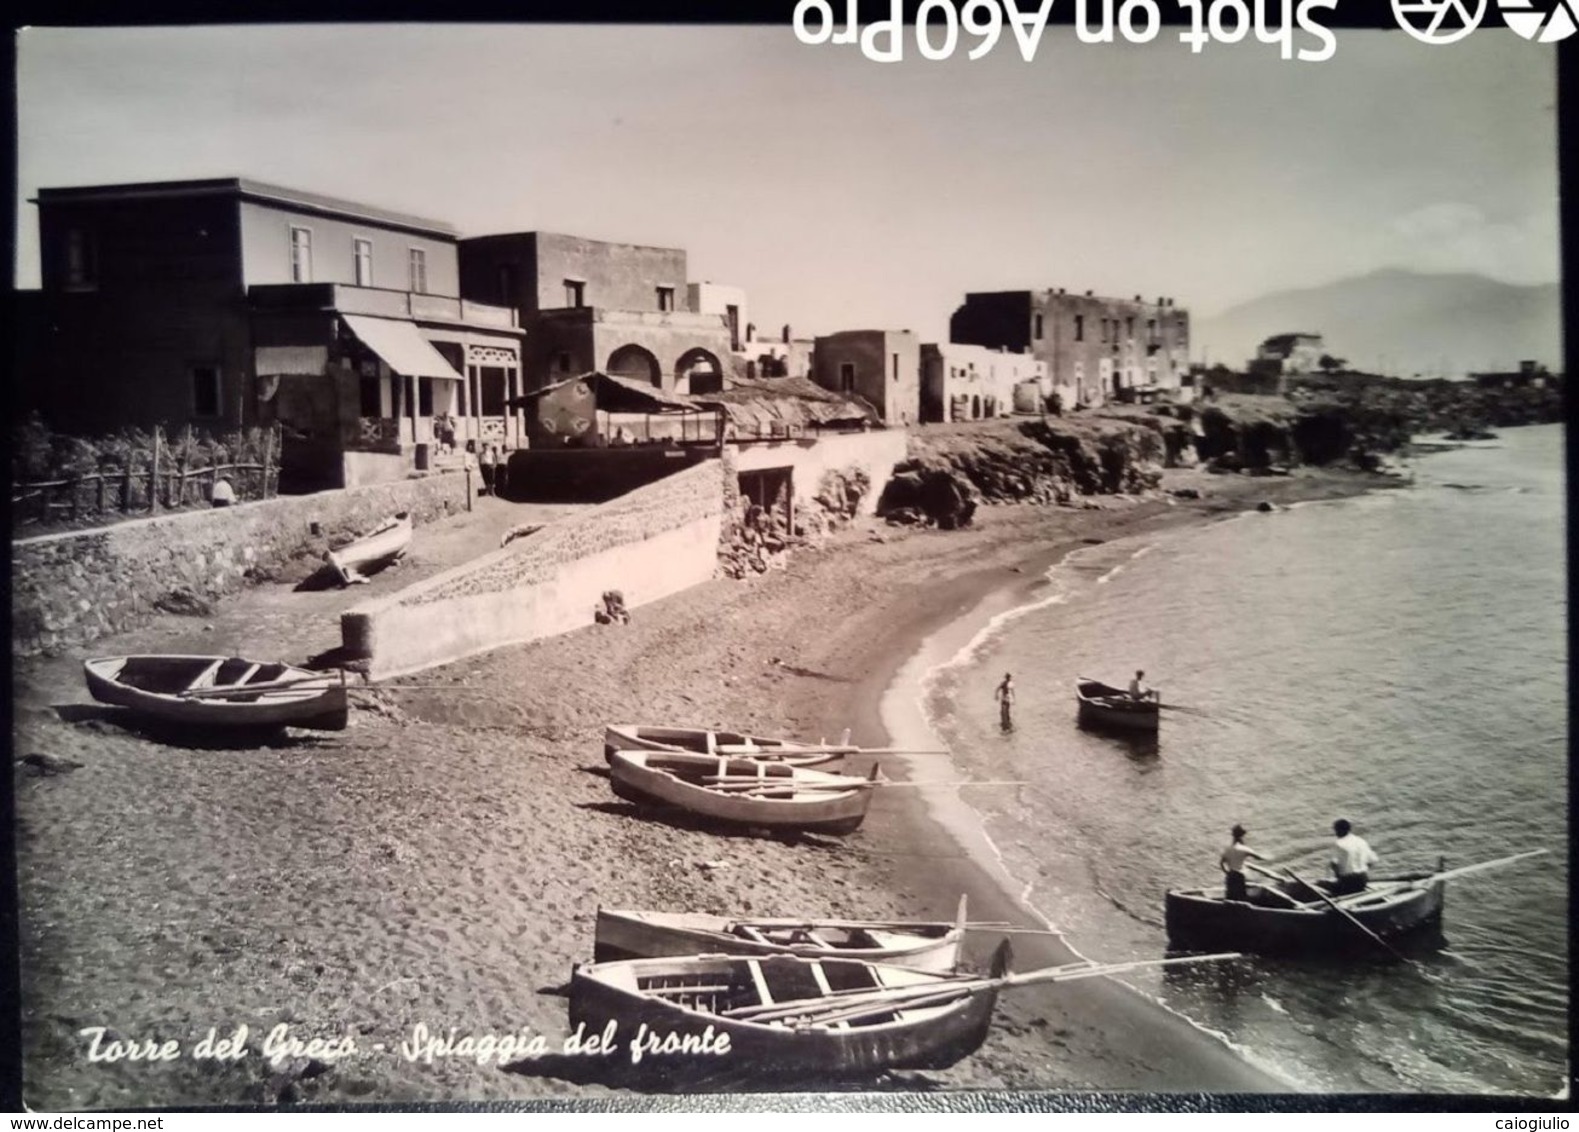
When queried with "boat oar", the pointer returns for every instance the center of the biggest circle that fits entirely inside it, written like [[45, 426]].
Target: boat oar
[[1349, 916], [1465, 870], [846, 1005], [738, 751], [231, 691]]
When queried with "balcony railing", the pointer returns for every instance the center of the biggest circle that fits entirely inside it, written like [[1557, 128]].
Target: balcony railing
[[381, 303]]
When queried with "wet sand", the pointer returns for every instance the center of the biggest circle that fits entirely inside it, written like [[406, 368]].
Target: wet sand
[[441, 862]]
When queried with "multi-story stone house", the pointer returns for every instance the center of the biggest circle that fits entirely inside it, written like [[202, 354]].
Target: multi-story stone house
[[230, 303], [589, 305], [1097, 349]]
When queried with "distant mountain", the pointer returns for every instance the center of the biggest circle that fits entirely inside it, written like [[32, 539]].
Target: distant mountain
[[1400, 322]]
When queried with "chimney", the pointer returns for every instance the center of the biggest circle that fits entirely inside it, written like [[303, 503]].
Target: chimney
[[786, 333], [1088, 294], [1161, 302]]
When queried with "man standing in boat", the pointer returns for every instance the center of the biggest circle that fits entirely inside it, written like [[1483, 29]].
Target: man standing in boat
[[1352, 859], [1232, 862], [1005, 698], [1137, 688]]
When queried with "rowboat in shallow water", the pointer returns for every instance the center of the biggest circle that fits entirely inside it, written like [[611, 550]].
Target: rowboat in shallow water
[[220, 691], [708, 741], [743, 791], [1288, 917], [1102, 705], [925, 946], [385, 543]]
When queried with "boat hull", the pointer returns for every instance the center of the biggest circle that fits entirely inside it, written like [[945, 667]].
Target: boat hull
[[928, 1039], [702, 740], [1105, 707], [149, 685], [661, 778], [1198, 919], [372, 550], [635, 935]]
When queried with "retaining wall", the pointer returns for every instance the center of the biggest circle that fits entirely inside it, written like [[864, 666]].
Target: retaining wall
[[653, 542], [70, 589]]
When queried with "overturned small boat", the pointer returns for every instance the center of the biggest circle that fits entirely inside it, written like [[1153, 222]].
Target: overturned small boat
[[1104, 706], [707, 741], [743, 791], [379, 547], [220, 691], [788, 1016], [923, 945]]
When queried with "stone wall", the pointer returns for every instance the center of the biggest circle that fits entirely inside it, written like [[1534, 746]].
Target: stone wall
[[653, 542], [71, 589]]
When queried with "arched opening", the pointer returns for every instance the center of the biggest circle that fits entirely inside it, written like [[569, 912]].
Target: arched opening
[[698, 371], [975, 406], [635, 363]]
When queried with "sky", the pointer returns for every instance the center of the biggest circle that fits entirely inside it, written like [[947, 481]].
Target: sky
[[841, 192]]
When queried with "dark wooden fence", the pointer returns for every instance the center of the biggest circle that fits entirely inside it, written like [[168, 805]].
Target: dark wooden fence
[[166, 481]]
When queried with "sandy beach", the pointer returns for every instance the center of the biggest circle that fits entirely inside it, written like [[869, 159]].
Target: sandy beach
[[440, 863]]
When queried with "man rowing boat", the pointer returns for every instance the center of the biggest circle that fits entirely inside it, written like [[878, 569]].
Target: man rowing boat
[[1138, 690], [1352, 858]]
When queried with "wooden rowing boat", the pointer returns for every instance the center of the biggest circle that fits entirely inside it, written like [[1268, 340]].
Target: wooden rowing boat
[[220, 691], [707, 741], [743, 791], [730, 1016], [701, 1002], [1287, 917], [925, 946], [377, 548], [1102, 705]]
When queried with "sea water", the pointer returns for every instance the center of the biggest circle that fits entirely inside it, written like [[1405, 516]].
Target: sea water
[[1398, 659]]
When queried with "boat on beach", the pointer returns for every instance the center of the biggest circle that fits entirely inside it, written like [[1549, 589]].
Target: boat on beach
[[786, 1015], [1104, 706], [924, 946], [708, 741], [220, 691], [1289, 917], [380, 546], [744, 791]]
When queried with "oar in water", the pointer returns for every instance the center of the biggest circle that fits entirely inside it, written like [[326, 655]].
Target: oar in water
[[1349, 916], [1465, 870]]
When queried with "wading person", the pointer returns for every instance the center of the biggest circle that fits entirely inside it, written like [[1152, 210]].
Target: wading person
[[1232, 862], [1352, 859], [1005, 698]]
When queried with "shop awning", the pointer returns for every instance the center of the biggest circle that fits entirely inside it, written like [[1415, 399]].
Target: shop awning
[[402, 347], [281, 361]]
